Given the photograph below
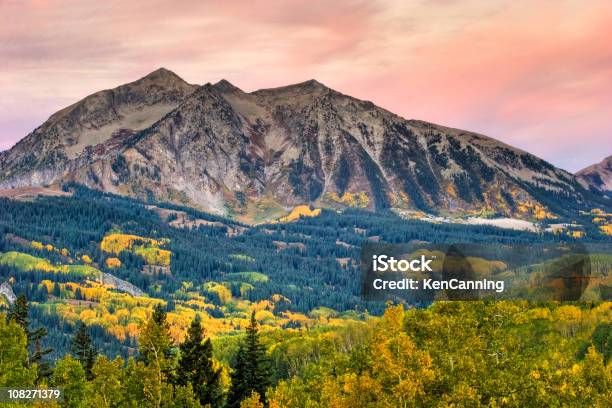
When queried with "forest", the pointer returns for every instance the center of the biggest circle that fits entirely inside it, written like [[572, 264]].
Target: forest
[[123, 303], [452, 354]]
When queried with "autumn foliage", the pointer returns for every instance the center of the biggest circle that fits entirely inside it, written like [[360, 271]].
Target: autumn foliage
[[300, 211]]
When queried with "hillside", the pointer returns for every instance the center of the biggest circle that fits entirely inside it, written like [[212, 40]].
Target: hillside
[[101, 120], [107, 260], [598, 176], [255, 156]]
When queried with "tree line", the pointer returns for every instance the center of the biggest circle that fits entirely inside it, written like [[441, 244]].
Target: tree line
[[163, 374]]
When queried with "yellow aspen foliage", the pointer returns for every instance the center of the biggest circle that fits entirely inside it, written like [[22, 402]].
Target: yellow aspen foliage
[[154, 256], [264, 315], [540, 313], [567, 312], [87, 315], [45, 266], [398, 363], [363, 200], [177, 333], [276, 298], [47, 284], [606, 229], [351, 391], [263, 305], [254, 401], [109, 319], [94, 293], [576, 234], [72, 286], [49, 247], [122, 315], [537, 210], [285, 395], [139, 314], [300, 211], [297, 318], [132, 330], [402, 199], [86, 259], [118, 332], [360, 199], [225, 295], [116, 243], [37, 245], [113, 263]]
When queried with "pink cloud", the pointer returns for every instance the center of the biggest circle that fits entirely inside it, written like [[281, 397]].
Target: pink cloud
[[539, 77]]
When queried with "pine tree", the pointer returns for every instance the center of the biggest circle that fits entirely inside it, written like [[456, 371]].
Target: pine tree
[[37, 357], [19, 312], [84, 349], [195, 366], [239, 387], [251, 369]]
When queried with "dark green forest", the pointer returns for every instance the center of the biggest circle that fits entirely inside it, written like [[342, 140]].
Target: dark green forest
[[271, 315], [306, 273]]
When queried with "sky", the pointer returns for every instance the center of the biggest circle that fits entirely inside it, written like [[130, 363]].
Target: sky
[[534, 74]]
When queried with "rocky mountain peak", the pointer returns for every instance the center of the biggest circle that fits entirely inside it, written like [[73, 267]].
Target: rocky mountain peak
[[306, 87], [254, 156], [310, 84], [597, 176], [226, 86], [53, 147], [161, 77]]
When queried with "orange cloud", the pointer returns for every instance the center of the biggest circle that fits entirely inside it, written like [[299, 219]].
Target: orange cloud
[[537, 76]]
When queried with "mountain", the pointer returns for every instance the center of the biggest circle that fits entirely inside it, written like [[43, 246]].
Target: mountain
[[254, 156], [598, 176], [54, 148]]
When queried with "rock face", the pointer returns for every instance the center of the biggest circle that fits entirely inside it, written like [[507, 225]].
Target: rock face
[[598, 176], [121, 285], [54, 148], [7, 292], [252, 155]]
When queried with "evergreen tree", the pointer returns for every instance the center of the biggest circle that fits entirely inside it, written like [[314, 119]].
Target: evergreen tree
[[84, 349], [195, 366], [19, 312], [238, 389], [57, 291], [251, 369], [37, 357]]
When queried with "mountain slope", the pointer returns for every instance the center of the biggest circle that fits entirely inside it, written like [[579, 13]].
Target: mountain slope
[[598, 176], [47, 152], [256, 155]]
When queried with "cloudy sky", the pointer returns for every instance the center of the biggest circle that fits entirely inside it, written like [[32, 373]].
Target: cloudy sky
[[535, 74]]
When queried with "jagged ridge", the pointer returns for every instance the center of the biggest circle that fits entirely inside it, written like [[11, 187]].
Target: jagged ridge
[[256, 155]]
